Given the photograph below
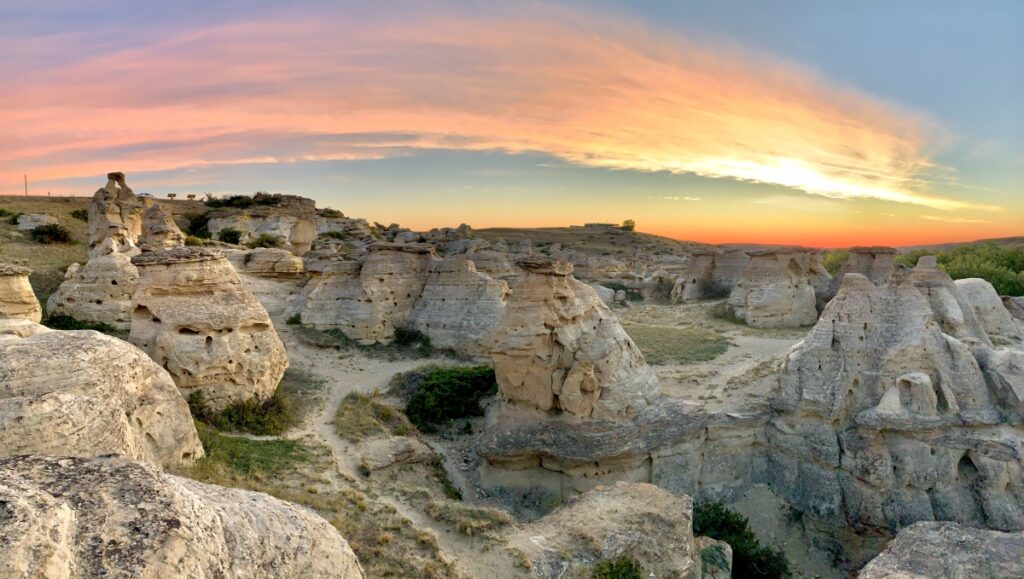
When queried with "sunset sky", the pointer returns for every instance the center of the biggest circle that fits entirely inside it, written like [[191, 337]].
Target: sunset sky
[[817, 123]]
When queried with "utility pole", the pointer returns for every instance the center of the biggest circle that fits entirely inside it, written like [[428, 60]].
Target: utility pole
[[26, 184]]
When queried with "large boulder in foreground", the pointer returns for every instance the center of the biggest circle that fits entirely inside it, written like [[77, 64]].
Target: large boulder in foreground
[[17, 300], [111, 517], [194, 317], [931, 550], [82, 393]]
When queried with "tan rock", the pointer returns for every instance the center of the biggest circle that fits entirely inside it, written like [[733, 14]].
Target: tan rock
[[775, 290], [159, 231], [380, 453], [1014, 305], [101, 291], [952, 312], [115, 218], [194, 317], [929, 550], [75, 518], [267, 262], [17, 300], [29, 221], [560, 348], [82, 393], [980, 296]]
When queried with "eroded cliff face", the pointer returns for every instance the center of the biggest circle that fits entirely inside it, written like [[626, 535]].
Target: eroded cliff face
[[17, 300], [82, 393], [925, 550], [80, 517], [776, 290], [952, 312], [193, 316]]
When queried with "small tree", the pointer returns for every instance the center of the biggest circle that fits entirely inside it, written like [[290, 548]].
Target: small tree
[[628, 225], [230, 235]]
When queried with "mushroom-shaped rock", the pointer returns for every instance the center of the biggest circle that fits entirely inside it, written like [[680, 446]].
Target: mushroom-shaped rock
[[111, 517], [100, 291], [82, 393], [17, 300], [193, 316], [560, 348], [775, 290], [159, 231], [928, 550], [115, 218]]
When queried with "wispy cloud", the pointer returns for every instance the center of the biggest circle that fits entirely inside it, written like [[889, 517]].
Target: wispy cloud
[[674, 198], [592, 92], [946, 219]]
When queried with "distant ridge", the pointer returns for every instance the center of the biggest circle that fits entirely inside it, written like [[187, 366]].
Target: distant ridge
[[1003, 241]]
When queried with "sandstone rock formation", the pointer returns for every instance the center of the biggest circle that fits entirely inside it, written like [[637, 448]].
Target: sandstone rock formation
[[115, 218], [875, 263], [81, 393], [267, 262], [775, 290], [928, 550], [111, 517], [560, 348], [159, 231], [641, 521], [194, 317], [17, 300], [981, 297], [1014, 305], [100, 291], [956, 317], [458, 307], [29, 221]]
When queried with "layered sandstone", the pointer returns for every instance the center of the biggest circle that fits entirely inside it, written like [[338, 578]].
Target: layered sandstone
[[159, 231], [111, 517], [267, 262], [193, 316], [776, 290], [952, 312], [560, 348], [115, 218], [100, 291], [17, 300], [81, 393], [927, 550]]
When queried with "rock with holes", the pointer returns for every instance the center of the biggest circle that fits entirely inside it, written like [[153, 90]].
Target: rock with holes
[[159, 231], [992, 315], [640, 521], [367, 301], [67, 518], [115, 218], [100, 291], [267, 262], [459, 306], [194, 317], [82, 393], [560, 348], [928, 550], [17, 300], [776, 290]]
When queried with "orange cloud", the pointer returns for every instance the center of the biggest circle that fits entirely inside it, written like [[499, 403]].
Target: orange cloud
[[591, 92]]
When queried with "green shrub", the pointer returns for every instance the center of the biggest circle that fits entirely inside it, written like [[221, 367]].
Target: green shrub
[[51, 233], [193, 241], [445, 394], [330, 212], [749, 557], [722, 311], [265, 240], [80, 214], [230, 235], [199, 225], [625, 567], [5, 212], [242, 201], [834, 260], [339, 235], [1003, 267], [294, 319], [62, 322], [242, 456], [628, 225], [272, 416], [407, 337], [14, 217]]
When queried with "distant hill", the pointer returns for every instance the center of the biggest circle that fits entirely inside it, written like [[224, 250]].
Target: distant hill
[[1000, 241]]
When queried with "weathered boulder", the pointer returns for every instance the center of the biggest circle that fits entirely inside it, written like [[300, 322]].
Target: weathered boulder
[[267, 262], [193, 316], [159, 231], [955, 316], [29, 221], [380, 453], [638, 520], [560, 348], [111, 517], [981, 297], [875, 263], [1014, 305], [17, 300], [930, 550], [115, 218], [368, 301], [458, 306], [81, 393], [498, 265], [775, 290], [100, 291]]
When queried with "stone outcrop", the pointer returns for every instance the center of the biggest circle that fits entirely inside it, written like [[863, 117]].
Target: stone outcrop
[[367, 301], [17, 300], [193, 316], [953, 313], [29, 221], [875, 263], [111, 517], [81, 393], [1015, 306], [267, 262], [641, 521], [928, 550], [159, 231], [775, 290], [115, 218], [100, 291], [981, 297], [560, 348], [458, 307]]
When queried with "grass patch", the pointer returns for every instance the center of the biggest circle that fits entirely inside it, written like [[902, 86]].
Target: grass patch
[[80, 214], [677, 345], [625, 567], [361, 416], [193, 241], [438, 395], [749, 557], [232, 455], [339, 235], [265, 240], [723, 312], [62, 322], [467, 519], [295, 393], [51, 233], [294, 319], [450, 490]]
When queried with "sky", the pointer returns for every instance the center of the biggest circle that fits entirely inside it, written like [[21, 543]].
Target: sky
[[801, 122]]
